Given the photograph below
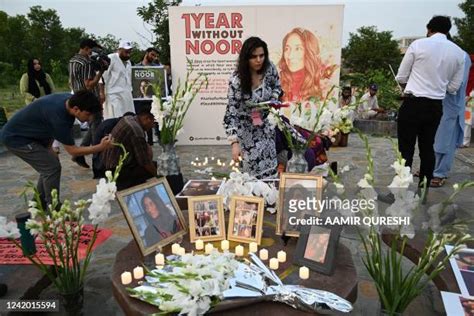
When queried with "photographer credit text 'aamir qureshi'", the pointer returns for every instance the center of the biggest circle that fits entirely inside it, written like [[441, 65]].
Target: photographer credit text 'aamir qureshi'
[[362, 207]]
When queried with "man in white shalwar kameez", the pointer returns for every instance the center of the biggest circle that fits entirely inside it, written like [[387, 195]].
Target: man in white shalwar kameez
[[118, 83]]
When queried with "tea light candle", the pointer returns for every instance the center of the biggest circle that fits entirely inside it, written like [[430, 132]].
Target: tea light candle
[[181, 251], [239, 251], [225, 245], [159, 259], [253, 247], [174, 248], [263, 254], [199, 244], [281, 255], [209, 248], [126, 278], [304, 273], [274, 263], [138, 273]]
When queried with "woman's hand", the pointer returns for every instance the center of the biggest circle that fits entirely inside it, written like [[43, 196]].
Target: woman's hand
[[235, 151]]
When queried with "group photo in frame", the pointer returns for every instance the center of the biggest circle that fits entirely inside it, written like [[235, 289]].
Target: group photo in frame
[[200, 187], [317, 247], [463, 268], [246, 219], [152, 214], [293, 188], [206, 218]]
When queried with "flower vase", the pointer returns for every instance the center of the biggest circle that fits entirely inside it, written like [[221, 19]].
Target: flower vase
[[73, 303], [168, 166], [297, 163], [343, 140]]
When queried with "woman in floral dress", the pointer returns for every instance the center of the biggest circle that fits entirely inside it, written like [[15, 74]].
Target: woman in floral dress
[[251, 135]]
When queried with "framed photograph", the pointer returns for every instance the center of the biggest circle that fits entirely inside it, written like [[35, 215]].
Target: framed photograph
[[153, 215], [463, 268], [456, 304], [206, 218], [295, 190], [316, 247], [200, 188], [145, 79], [246, 219]]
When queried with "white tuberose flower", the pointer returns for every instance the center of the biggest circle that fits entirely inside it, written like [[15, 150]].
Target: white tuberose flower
[[100, 207], [8, 230]]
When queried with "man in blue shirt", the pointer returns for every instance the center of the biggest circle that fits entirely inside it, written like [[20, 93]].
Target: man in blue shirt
[[30, 132]]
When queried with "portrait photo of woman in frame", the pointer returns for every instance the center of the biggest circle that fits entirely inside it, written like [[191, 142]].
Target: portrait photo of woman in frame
[[152, 214]]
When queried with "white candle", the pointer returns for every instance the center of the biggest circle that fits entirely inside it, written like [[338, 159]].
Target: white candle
[[209, 248], [304, 273], [199, 244], [126, 278], [138, 273], [274, 263], [159, 259], [225, 245], [174, 248], [239, 251], [281, 255], [181, 251], [253, 247], [264, 254]]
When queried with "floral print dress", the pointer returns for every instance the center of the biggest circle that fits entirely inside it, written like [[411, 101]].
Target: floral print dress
[[257, 142]]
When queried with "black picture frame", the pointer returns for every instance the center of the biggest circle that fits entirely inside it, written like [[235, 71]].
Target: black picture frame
[[303, 257]]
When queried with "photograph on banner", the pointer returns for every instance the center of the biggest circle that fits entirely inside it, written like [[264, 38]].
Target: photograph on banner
[[463, 267], [457, 305], [305, 49], [145, 79]]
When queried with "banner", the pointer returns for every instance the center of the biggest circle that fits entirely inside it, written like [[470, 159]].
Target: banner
[[211, 38], [11, 254], [145, 78]]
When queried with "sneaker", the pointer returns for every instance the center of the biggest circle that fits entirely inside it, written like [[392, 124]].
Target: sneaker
[[81, 161]]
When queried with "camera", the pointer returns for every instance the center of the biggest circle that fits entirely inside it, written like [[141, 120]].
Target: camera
[[99, 60]]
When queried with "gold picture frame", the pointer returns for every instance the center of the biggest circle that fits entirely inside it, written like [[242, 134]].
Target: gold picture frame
[[201, 224], [143, 205], [299, 186], [245, 219]]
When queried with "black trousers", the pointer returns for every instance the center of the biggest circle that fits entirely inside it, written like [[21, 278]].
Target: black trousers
[[418, 119]]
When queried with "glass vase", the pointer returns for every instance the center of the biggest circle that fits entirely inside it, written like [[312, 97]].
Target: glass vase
[[297, 163], [73, 302], [168, 160]]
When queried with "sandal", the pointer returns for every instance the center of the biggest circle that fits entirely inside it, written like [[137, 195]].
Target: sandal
[[437, 182]]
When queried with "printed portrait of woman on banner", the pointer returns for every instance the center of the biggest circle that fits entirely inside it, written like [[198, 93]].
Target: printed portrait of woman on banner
[[302, 72]]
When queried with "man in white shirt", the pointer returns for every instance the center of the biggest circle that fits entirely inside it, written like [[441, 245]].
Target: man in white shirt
[[431, 67], [369, 106], [118, 83]]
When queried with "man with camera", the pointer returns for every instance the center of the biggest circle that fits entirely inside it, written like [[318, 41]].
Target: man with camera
[[118, 82], [85, 70]]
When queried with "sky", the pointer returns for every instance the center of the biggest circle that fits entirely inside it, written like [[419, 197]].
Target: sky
[[119, 17]]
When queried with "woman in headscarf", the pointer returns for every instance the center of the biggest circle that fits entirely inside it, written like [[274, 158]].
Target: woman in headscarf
[[35, 83], [161, 222]]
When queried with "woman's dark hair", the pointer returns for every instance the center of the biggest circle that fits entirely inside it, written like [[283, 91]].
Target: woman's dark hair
[[39, 76], [85, 100], [243, 68], [153, 196]]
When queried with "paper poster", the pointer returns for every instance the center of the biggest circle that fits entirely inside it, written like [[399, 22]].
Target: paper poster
[[145, 79]]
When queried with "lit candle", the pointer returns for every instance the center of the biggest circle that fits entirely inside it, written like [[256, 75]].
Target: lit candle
[[253, 247], [138, 273], [264, 254], [174, 248], [304, 273], [126, 278], [223, 164], [225, 245], [181, 251], [281, 255], [239, 251], [159, 259], [197, 158], [274, 263], [209, 248], [199, 244], [212, 158]]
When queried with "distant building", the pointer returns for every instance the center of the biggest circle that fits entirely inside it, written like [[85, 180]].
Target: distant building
[[404, 42]]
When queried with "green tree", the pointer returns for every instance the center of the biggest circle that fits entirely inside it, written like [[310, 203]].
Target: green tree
[[465, 25], [369, 49], [156, 14]]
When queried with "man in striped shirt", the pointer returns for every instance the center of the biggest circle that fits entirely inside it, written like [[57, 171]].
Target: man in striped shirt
[[82, 75]]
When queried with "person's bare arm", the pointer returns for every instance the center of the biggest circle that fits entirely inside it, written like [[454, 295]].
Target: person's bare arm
[[105, 143]]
